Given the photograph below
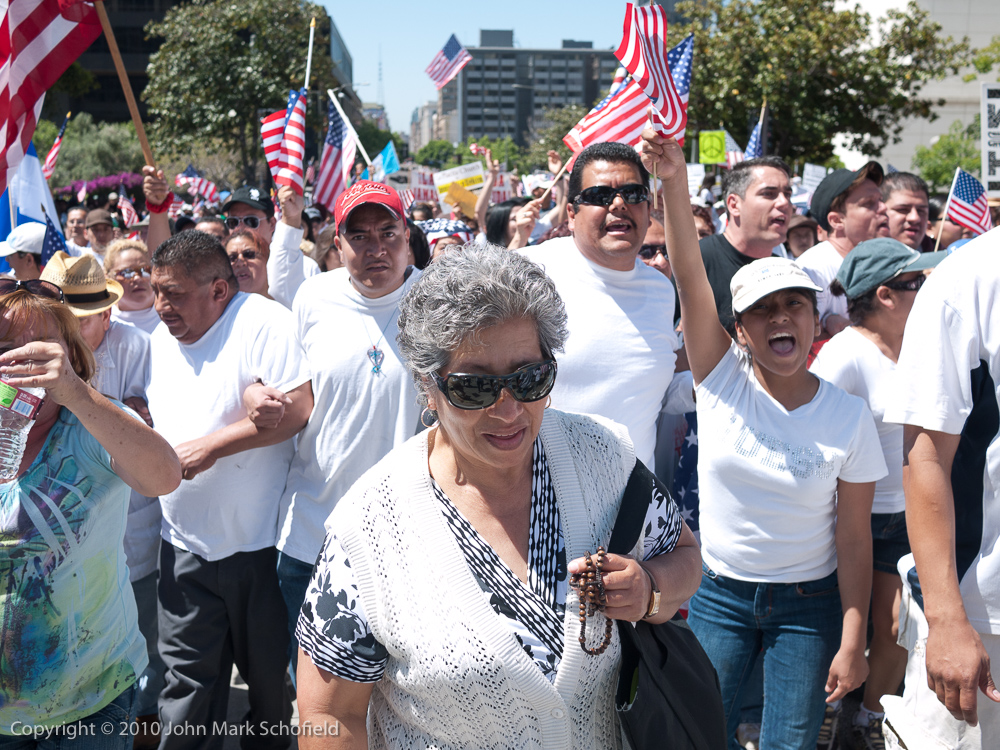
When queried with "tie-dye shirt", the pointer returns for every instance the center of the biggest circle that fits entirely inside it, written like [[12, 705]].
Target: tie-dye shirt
[[69, 637]]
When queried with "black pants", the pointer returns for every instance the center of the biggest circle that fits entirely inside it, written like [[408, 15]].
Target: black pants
[[212, 615]]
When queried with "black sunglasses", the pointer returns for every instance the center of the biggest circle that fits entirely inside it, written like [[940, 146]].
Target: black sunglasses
[[34, 286], [529, 383], [129, 273], [604, 195], [913, 285], [648, 252], [234, 221], [245, 254]]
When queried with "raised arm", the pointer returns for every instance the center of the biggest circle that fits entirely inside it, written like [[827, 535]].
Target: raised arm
[[156, 191], [483, 201], [705, 340]]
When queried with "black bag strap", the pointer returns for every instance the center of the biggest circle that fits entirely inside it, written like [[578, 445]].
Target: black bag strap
[[632, 511]]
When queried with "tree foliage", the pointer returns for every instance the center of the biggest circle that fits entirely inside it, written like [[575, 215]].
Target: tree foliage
[[374, 139], [823, 71], [90, 150], [443, 155], [222, 65], [548, 132], [959, 147]]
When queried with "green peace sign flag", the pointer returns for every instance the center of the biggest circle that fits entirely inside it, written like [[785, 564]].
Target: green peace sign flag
[[712, 147]]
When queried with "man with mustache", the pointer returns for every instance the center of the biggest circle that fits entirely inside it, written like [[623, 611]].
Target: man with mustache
[[620, 357]]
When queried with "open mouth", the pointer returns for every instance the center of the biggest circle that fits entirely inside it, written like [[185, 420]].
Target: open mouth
[[507, 439], [781, 343], [618, 227]]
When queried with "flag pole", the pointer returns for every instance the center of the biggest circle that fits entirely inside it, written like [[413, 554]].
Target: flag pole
[[548, 191], [944, 213], [650, 113], [133, 109], [309, 59], [333, 98]]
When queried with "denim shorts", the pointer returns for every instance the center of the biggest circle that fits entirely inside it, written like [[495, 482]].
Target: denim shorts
[[889, 541]]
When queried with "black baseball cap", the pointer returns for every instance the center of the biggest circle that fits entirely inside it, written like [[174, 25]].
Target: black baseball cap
[[838, 182], [253, 197]]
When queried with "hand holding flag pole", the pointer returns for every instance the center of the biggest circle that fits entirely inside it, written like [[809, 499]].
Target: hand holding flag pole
[[109, 34]]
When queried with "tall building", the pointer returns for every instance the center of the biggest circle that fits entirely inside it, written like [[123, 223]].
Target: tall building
[[504, 89]]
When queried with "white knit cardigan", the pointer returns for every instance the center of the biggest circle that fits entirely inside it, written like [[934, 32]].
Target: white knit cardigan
[[456, 676]]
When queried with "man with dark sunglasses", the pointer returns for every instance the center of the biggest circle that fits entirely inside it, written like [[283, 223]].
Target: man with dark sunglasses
[[620, 355]]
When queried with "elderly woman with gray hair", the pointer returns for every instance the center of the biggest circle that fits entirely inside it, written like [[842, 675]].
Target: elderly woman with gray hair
[[443, 610]]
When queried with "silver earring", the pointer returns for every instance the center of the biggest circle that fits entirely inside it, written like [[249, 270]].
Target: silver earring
[[428, 413]]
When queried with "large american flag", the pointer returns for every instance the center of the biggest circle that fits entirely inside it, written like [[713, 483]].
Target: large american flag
[[50, 160], [39, 39], [293, 143], [643, 52], [339, 150], [197, 185], [968, 205], [621, 116], [446, 63]]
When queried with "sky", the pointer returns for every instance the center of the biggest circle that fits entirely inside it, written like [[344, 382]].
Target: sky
[[410, 34]]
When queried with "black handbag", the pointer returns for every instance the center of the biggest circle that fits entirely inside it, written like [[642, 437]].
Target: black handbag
[[668, 691]]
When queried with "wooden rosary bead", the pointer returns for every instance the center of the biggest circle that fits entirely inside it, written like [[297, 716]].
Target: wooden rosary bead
[[593, 598]]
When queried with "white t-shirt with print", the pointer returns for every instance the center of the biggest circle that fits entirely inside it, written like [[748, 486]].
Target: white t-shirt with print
[[358, 415], [953, 327], [196, 389], [768, 476], [620, 354], [822, 262], [853, 362]]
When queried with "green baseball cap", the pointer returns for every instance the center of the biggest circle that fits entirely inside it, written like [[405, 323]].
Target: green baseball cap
[[873, 262]]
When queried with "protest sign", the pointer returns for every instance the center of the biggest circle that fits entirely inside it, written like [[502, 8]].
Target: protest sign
[[696, 173], [468, 176], [712, 147], [990, 124], [812, 176]]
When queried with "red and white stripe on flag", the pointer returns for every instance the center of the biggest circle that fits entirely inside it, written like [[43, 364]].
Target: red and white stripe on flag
[[293, 148], [643, 52], [128, 210], [175, 206], [620, 117], [39, 39], [50, 161], [271, 129], [969, 206]]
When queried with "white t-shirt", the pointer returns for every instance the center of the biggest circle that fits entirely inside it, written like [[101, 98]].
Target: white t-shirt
[[822, 262], [74, 250], [853, 362], [768, 476], [287, 265], [953, 327], [620, 354], [123, 371], [197, 389], [358, 415], [146, 320]]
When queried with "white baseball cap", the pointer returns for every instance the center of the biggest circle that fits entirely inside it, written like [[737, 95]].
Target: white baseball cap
[[763, 277], [27, 238]]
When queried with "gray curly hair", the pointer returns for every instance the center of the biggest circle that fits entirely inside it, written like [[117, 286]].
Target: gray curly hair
[[467, 289]]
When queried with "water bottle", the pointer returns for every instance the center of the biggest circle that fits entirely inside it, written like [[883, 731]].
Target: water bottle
[[18, 409]]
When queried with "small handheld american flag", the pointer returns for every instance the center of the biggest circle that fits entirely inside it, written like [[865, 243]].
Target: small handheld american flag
[[968, 206], [446, 63]]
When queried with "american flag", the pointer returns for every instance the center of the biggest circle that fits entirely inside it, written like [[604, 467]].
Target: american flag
[[39, 39], [755, 147], [406, 197], [271, 129], [53, 241], [197, 185], [734, 154], [176, 204], [446, 63], [50, 161], [339, 150], [293, 143], [619, 78], [476, 149], [126, 207], [643, 52], [968, 205]]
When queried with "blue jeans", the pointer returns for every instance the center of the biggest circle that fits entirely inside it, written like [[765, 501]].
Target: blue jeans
[[111, 728], [293, 580], [795, 626]]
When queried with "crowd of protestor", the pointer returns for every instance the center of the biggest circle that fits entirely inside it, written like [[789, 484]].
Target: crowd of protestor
[[831, 376]]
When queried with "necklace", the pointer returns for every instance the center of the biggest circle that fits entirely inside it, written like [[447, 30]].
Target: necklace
[[590, 587], [375, 355]]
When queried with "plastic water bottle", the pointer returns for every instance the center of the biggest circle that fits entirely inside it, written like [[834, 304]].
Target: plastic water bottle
[[18, 408]]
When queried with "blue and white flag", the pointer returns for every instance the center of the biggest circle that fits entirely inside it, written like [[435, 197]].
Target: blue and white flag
[[29, 192], [383, 165]]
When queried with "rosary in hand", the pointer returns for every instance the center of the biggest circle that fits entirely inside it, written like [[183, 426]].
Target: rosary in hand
[[590, 586]]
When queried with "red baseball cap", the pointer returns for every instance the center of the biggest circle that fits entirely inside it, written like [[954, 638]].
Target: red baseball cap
[[365, 191]]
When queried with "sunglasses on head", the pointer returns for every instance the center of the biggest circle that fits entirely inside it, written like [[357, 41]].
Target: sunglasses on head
[[604, 195], [527, 384], [648, 252], [34, 286], [251, 222], [245, 254], [126, 274], [913, 285]]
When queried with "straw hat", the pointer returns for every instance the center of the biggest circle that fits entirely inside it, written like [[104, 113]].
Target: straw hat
[[83, 282]]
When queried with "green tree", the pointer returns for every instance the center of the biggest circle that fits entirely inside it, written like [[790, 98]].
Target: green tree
[[90, 150], [222, 65], [502, 149], [374, 139], [959, 147], [548, 133], [822, 70], [436, 154]]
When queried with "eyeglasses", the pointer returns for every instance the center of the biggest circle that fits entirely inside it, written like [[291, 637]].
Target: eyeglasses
[[648, 252], [604, 195], [252, 222], [529, 383], [913, 285], [245, 254], [125, 274], [34, 286]]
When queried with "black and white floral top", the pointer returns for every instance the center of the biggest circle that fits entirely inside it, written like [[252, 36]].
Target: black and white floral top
[[333, 628]]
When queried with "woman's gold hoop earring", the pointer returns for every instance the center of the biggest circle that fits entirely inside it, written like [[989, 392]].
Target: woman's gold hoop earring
[[430, 414], [548, 402]]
